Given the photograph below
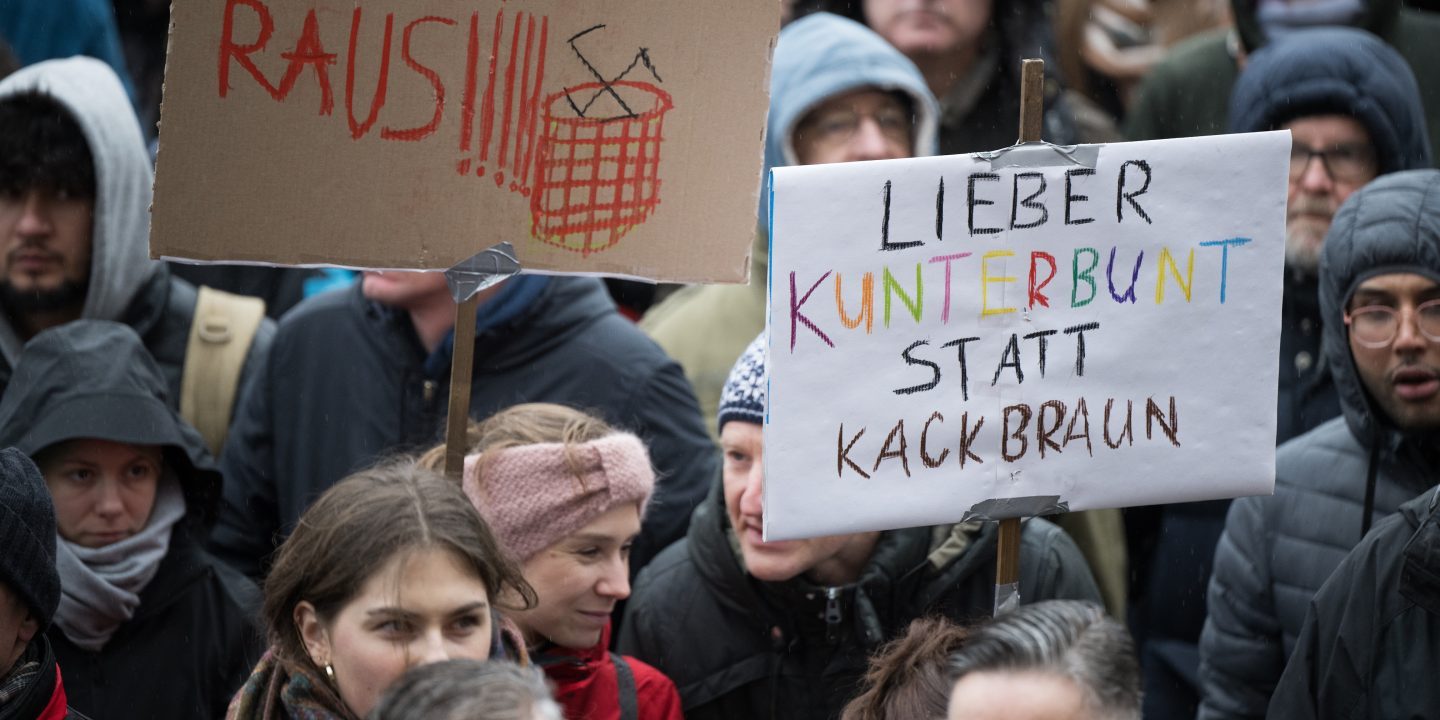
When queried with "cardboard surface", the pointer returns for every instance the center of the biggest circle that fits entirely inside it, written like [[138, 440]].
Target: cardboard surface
[[1105, 336], [609, 136]]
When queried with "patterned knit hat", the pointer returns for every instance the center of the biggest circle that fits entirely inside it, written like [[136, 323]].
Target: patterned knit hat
[[27, 536], [744, 395], [533, 496]]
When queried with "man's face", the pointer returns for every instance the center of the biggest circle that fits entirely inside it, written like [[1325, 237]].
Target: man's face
[[927, 27], [862, 124], [404, 290], [1402, 376], [17, 626], [44, 245], [1319, 184], [744, 476]]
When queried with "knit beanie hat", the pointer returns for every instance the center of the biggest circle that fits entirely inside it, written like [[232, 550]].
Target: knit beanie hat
[[27, 536], [743, 397], [533, 496]]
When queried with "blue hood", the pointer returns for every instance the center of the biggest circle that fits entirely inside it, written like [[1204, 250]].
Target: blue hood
[[1338, 71], [824, 55]]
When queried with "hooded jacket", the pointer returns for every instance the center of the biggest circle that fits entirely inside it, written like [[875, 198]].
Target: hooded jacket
[[589, 686], [348, 382], [195, 633], [738, 647], [1277, 551], [1370, 646], [1330, 71], [125, 284], [706, 327], [1185, 93]]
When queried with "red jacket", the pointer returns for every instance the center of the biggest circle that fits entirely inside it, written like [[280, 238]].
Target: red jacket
[[587, 683]]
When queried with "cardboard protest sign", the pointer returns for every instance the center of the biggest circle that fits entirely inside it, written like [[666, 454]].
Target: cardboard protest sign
[[1095, 330], [608, 136]]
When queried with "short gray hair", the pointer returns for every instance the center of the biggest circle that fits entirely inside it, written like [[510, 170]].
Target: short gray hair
[[469, 690], [1069, 638]]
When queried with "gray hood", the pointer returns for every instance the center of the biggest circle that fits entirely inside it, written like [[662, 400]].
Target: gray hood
[[120, 256], [1391, 225]]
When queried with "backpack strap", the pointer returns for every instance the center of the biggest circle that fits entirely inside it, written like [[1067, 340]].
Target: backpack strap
[[223, 328], [625, 678]]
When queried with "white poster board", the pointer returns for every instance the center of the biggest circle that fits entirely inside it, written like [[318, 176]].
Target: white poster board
[[1098, 329]]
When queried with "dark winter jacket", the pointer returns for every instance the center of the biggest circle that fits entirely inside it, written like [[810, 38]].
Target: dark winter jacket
[[740, 648], [195, 634], [348, 382], [595, 684], [40, 694], [982, 111], [1370, 646], [1277, 551], [125, 284], [1186, 93]]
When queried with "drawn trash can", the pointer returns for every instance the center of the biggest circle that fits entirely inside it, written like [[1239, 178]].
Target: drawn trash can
[[597, 177]]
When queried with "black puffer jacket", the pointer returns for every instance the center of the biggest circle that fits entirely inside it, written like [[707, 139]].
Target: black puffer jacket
[[348, 382], [196, 633], [1277, 551], [1370, 646], [740, 648]]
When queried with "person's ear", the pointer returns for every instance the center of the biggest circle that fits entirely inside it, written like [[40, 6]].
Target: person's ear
[[29, 628], [312, 633]]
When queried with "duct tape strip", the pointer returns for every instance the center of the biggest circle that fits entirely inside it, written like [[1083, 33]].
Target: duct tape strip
[[1016, 507], [1007, 598], [1041, 155], [481, 270]]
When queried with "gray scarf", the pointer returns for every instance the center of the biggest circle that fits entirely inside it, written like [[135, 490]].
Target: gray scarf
[[100, 587]]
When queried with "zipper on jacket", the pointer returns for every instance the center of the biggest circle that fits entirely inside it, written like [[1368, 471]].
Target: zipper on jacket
[[429, 391], [832, 615]]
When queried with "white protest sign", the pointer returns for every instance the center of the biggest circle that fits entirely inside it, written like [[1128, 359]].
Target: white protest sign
[[944, 333]]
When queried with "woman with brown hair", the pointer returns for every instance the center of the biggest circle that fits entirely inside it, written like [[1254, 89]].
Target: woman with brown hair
[[389, 569], [564, 493]]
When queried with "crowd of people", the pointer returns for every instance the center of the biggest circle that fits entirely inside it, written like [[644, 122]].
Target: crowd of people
[[222, 492]]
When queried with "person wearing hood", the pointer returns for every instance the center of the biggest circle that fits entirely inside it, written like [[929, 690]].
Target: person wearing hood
[[969, 52], [148, 624], [75, 194], [31, 685], [838, 93], [755, 629], [1185, 93], [564, 493], [1380, 303], [1352, 108], [1370, 645]]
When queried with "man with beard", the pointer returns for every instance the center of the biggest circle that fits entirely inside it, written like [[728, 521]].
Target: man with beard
[[75, 190], [1353, 110]]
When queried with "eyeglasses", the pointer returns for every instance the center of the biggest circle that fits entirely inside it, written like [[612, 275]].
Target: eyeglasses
[[839, 126], [1375, 326], [1349, 162]]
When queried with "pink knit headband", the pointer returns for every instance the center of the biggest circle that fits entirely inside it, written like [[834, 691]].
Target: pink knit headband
[[531, 495]]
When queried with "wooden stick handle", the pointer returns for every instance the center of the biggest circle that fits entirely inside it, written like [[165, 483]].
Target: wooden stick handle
[[1007, 557], [1032, 99], [462, 364]]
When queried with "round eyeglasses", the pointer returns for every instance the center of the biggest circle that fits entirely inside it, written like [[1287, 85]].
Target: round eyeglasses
[[1375, 326]]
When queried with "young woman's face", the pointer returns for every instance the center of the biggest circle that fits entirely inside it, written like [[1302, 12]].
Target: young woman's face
[[103, 491], [418, 608], [579, 580]]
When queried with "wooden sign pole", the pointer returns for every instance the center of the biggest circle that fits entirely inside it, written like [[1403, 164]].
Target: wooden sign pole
[[1032, 103], [462, 363]]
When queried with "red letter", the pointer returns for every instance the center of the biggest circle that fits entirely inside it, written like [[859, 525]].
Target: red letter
[[423, 131], [309, 51], [357, 129], [241, 53], [1035, 288]]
